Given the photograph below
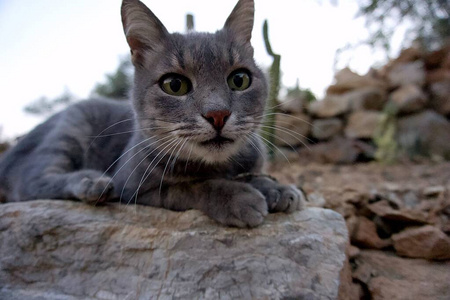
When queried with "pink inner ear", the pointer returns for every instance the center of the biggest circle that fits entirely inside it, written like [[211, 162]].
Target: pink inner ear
[[137, 48], [135, 44]]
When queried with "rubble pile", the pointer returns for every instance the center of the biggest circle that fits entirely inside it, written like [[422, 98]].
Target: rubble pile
[[341, 128]]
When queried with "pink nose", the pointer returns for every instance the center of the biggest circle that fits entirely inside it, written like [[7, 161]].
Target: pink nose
[[217, 118]]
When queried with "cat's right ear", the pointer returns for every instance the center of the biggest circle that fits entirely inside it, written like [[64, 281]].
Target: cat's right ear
[[143, 30], [240, 21]]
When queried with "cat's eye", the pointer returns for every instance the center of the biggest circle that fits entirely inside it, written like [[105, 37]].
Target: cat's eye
[[239, 80], [175, 84]]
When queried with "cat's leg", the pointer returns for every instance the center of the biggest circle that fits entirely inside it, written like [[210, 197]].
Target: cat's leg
[[89, 186], [228, 202], [279, 197]]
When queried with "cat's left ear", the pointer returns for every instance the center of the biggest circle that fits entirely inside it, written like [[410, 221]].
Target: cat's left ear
[[143, 30], [240, 21]]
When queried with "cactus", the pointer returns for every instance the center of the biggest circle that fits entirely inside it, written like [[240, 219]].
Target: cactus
[[268, 133], [190, 27], [384, 137]]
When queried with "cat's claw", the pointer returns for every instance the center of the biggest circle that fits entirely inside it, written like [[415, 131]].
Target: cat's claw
[[279, 197]]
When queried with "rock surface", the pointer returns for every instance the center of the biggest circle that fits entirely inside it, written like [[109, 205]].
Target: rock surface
[[365, 235], [323, 129], [68, 250], [387, 276], [407, 73], [367, 98], [440, 100], [423, 242], [331, 106], [347, 80], [409, 98], [425, 133], [338, 150], [362, 124]]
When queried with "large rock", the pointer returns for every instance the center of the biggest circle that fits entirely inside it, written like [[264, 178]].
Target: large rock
[[346, 80], [338, 150], [387, 276], [292, 130], [68, 250], [438, 58], [440, 97], [407, 73], [365, 235], [323, 129], [402, 215], [408, 98], [331, 106], [409, 55], [367, 98], [438, 75], [363, 124], [423, 242], [426, 133]]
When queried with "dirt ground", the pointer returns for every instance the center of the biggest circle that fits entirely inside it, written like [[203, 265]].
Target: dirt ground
[[332, 180], [380, 203]]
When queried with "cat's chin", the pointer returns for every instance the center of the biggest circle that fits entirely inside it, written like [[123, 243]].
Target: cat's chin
[[216, 150]]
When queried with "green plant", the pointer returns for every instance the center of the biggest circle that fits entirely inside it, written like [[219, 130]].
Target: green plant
[[268, 133]]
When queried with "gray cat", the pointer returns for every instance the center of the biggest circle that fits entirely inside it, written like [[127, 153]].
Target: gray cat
[[187, 140]]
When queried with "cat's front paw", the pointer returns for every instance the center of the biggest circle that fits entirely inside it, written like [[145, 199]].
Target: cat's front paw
[[279, 197], [244, 207], [92, 188]]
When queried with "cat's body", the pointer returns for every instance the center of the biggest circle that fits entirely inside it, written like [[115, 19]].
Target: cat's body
[[191, 129]]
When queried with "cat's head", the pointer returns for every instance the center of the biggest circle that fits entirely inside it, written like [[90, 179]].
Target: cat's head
[[201, 94]]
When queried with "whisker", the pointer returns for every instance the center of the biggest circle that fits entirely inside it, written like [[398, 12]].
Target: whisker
[[172, 167], [110, 126], [117, 171], [254, 146], [129, 131], [187, 160], [145, 175], [236, 162], [279, 104], [135, 168], [277, 137], [290, 116], [168, 162], [292, 133], [278, 149]]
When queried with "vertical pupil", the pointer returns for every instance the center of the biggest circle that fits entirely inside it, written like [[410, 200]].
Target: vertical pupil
[[238, 80], [175, 84]]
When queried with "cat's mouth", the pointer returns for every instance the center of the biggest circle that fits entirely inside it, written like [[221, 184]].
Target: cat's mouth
[[217, 141]]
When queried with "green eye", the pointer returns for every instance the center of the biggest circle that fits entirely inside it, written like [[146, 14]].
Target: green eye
[[239, 80], [175, 84]]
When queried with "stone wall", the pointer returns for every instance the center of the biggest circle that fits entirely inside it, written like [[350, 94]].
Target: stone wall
[[413, 89]]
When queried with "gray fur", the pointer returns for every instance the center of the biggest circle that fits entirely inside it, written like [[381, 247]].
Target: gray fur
[[157, 150]]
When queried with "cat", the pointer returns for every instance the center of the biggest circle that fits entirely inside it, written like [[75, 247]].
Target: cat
[[188, 139]]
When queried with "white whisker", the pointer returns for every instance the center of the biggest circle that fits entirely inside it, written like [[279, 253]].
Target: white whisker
[[167, 164], [145, 175], [290, 132], [135, 168], [267, 141], [189, 156], [124, 164]]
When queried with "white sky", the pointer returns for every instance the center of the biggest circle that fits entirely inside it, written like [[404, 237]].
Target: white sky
[[49, 45]]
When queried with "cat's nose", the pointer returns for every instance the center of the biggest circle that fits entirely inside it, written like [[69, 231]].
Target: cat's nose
[[217, 118]]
